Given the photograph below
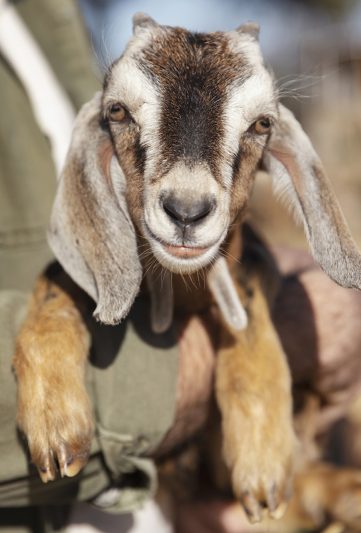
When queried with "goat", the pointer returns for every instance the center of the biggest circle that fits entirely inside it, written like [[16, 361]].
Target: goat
[[158, 176]]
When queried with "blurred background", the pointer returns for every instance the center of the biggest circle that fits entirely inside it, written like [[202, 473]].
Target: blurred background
[[314, 48]]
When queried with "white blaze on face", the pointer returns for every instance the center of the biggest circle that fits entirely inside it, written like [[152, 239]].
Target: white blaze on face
[[130, 86], [246, 101]]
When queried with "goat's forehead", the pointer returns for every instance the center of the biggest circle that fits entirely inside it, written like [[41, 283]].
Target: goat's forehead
[[175, 55], [193, 95], [172, 59]]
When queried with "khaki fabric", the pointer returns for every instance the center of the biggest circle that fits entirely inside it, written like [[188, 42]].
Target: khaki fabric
[[58, 29], [132, 373], [131, 381], [27, 171], [27, 187]]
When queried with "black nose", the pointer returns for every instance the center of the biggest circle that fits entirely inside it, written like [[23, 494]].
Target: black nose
[[184, 212]]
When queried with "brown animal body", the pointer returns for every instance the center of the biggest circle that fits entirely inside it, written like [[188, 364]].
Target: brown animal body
[[158, 176]]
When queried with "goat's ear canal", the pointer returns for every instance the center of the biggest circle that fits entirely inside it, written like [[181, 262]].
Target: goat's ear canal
[[249, 28], [91, 233], [298, 175]]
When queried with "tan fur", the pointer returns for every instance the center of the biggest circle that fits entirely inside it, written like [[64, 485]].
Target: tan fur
[[53, 407], [253, 389]]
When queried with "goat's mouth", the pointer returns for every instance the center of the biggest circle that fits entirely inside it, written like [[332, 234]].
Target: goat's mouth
[[183, 258], [184, 252]]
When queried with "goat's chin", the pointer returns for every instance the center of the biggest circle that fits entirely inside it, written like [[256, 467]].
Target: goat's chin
[[183, 265]]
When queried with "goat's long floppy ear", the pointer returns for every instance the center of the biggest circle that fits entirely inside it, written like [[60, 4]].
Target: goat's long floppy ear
[[91, 233], [297, 173]]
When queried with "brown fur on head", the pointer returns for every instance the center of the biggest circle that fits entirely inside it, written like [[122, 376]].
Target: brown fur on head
[[188, 118]]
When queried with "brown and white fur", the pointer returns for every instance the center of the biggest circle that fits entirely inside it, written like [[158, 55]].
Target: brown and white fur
[[158, 177]]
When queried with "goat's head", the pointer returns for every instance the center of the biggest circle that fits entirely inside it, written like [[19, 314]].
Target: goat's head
[[189, 115], [174, 140]]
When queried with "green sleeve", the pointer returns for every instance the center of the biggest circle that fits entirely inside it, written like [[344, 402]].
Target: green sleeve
[[131, 376]]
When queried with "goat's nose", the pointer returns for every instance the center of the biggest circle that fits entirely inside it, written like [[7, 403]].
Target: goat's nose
[[184, 212]]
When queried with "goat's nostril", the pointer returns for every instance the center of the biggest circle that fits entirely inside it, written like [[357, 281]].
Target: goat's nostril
[[187, 212]]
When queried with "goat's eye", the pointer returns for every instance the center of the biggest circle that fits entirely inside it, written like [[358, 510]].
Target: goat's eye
[[117, 113], [262, 126]]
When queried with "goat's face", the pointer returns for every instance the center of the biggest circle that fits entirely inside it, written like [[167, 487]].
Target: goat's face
[[190, 115]]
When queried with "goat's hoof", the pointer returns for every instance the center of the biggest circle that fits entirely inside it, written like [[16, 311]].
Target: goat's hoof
[[58, 425], [71, 461], [262, 482], [254, 505], [263, 500], [59, 458], [260, 460], [66, 460], [56, 457], [47, 470]]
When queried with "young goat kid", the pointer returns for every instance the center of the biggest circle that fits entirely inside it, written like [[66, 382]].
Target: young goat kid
[[163, 161]]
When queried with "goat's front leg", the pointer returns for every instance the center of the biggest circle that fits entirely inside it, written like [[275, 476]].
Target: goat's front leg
[[54, 410], [253, 388]]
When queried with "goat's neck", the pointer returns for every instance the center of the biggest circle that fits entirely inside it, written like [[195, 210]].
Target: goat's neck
[[191, 292]]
